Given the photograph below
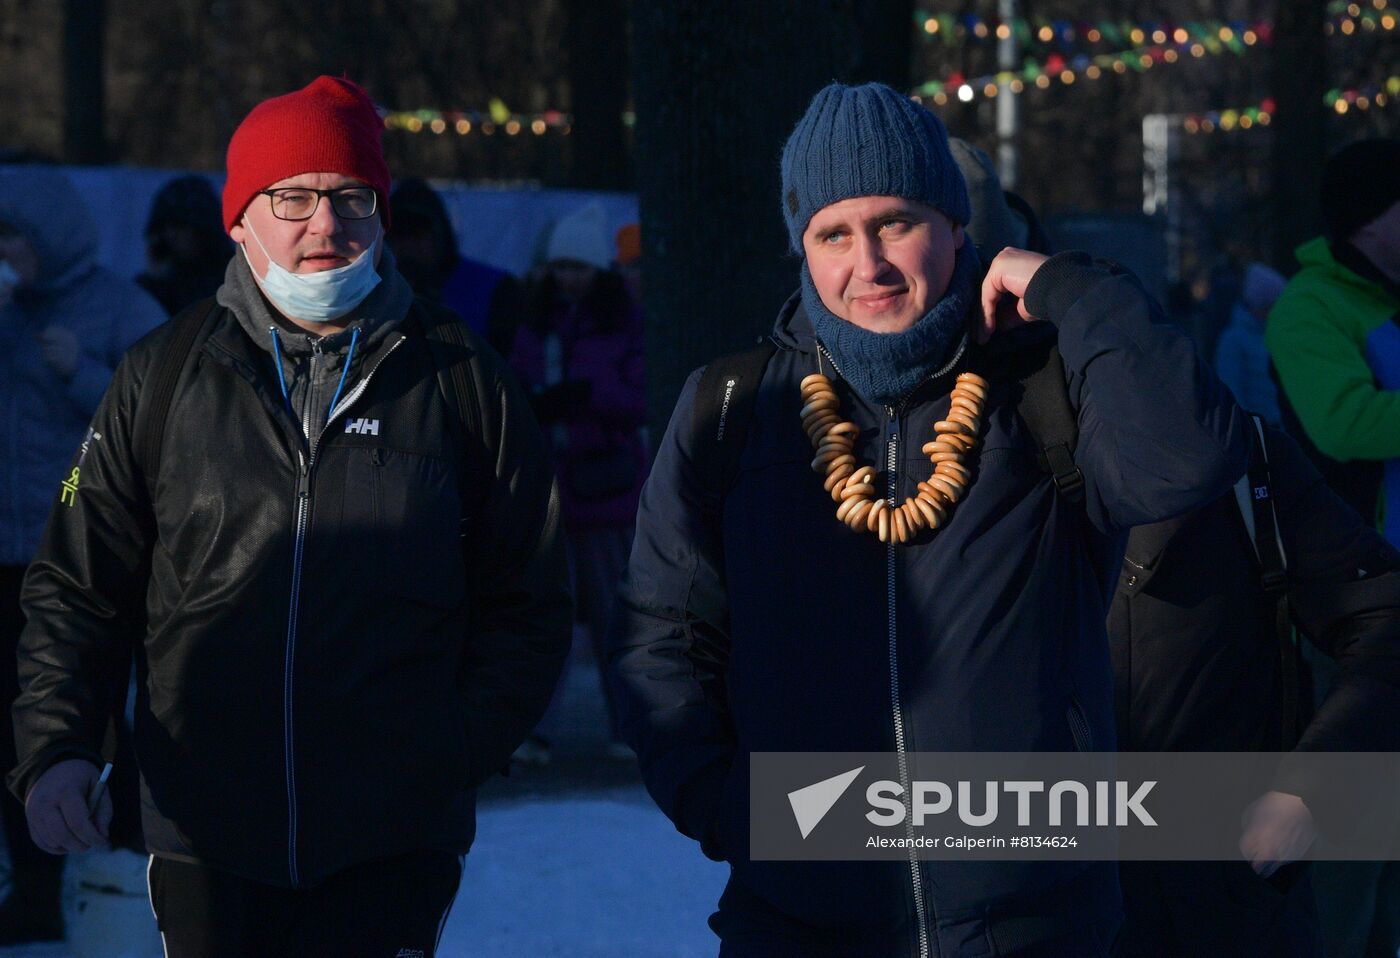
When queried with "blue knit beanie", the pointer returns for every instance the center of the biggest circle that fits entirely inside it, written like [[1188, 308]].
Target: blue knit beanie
[[867, 140]]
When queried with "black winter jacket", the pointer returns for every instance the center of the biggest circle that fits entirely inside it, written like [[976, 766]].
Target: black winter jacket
[[327, 672], [776, 629]]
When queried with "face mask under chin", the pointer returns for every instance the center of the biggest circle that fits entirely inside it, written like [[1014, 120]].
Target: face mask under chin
[[316, 297]]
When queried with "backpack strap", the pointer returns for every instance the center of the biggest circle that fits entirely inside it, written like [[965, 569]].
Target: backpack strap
[[1030, 357], [1255, 498], [724, 404], [1254, 494], [158, 392], [451, 349], [1044, 405], [454, 375]]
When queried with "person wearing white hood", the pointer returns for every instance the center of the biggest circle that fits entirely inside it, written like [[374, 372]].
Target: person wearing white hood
[[65, 321]]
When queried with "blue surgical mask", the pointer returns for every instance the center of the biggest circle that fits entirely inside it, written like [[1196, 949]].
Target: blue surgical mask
[[316, 297]]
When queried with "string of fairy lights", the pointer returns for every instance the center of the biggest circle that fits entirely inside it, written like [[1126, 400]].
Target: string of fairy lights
[[1152, 44], [497, 117], [959, 30], [1065, 52], [1365, 97], [1066, 34]]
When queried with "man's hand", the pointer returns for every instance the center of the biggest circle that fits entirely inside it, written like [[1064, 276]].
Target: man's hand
[[1006, 280], [57, 809], [1278, 829], [59, 347]]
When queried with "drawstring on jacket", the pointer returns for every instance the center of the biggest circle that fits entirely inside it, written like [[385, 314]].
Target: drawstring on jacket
[[349, 355], [282, 379]]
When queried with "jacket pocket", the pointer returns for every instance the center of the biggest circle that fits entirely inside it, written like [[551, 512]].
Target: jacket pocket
[[1079, 726], [405, 509]]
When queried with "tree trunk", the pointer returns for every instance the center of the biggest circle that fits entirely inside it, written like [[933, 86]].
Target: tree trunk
[[1299, 75], [597, 50], [84, 110], [719, 85]]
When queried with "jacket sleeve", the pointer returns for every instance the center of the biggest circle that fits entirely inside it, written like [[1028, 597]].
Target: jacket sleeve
[[517, 576], [1327, 380], [1344, 594], [84, 595], [1158, 433], [669, 641]]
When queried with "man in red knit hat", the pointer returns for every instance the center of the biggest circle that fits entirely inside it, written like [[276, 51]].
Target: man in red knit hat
[[340, 554]]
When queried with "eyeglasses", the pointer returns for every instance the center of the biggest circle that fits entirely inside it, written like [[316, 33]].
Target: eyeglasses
[[301, 202]]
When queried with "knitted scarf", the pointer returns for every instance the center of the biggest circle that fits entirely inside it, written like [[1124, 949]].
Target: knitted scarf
[[886, 367]]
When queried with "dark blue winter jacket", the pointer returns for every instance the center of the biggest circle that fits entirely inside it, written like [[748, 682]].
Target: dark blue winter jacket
[[774, 628]]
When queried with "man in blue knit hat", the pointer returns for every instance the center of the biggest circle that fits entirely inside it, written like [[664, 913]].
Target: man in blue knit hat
[[939, 585]]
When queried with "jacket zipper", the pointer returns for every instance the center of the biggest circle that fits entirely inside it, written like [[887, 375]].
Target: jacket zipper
[[890, 437], [901, 752], [305, 463]]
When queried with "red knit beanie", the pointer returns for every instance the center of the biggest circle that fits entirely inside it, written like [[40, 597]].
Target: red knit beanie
[[330, 126]]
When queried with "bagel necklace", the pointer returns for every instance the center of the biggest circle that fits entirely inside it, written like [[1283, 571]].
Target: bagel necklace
[[852, 485]]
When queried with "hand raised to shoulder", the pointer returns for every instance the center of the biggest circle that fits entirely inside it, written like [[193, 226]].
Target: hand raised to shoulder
[[1004, 291]]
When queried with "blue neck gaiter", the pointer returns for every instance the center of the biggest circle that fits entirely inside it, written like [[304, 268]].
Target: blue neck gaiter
[[886, 367]]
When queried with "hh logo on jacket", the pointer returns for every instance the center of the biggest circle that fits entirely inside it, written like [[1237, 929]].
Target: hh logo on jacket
[[365, 427]]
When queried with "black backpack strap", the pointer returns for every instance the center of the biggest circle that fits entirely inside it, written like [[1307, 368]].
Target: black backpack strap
[[1051, 420], [724, 406], [448, 341], [454, 373], [158, 392], [1254, 494], [1030, 357]]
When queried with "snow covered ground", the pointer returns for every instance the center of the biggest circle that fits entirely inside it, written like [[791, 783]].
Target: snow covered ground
[[584, 878]]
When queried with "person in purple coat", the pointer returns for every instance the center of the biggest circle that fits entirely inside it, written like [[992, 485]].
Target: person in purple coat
[[579, 355]]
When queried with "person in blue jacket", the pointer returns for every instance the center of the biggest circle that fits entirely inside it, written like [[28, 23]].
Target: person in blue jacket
[[949, 607]]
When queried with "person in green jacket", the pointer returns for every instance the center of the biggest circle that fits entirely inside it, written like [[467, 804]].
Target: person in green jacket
[[1333, 334], [1334, 337]]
